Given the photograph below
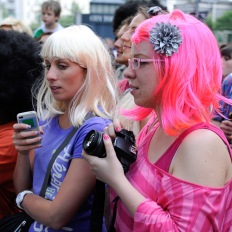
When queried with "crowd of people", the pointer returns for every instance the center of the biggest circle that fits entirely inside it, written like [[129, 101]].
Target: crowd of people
[[169, 84]]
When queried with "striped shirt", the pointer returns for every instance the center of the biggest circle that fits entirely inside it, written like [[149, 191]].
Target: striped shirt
[[173, 204]]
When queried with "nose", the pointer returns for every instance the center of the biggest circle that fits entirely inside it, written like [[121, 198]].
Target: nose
[[126, 36], [129, 73], [118, 43], [51, 74]]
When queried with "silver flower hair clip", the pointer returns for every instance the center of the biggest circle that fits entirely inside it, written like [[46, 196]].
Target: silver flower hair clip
[[154, 10], [165, 38]]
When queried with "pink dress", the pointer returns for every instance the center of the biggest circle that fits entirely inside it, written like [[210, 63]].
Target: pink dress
[[173, 204]]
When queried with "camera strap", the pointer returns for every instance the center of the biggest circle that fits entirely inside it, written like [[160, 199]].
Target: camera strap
[[97, 214], [112, 229]]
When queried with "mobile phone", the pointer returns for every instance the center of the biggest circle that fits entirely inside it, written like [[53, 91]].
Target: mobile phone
[[29, 118]]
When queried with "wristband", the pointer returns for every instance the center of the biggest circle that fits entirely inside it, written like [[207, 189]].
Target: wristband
[[21, 196]]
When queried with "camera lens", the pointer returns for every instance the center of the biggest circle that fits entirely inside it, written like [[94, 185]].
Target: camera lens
[[93, 144]]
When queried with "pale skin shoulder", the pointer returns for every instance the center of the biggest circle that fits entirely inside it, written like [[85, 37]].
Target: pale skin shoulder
[[203, 159]]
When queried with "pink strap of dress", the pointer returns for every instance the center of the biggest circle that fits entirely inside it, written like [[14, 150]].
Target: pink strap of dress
[[165, 160]]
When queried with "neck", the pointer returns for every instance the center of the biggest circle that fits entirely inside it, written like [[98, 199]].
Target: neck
[[51, 26], [64, 121]]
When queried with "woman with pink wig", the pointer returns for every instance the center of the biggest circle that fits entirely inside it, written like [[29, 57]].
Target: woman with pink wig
[[182, 178]]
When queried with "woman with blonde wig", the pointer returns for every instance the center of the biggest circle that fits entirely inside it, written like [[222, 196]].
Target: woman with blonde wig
[[78, 90]]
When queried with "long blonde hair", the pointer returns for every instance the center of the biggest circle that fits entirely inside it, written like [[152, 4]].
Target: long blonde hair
[[97, 94]]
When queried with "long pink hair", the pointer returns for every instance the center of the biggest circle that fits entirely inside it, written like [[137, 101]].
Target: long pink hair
[[190, 82]]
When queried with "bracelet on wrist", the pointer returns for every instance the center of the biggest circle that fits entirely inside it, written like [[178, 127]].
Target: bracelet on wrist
[[20, 197]]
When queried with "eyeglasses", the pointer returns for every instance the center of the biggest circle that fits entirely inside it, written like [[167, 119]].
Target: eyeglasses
[[134, 63]]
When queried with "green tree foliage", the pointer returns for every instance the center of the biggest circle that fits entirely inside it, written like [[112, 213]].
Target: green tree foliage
[[209, 22], [222, 27], [224, 22], [68, 20]]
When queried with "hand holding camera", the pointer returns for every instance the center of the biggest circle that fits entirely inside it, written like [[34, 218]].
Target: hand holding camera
[[124, 146]]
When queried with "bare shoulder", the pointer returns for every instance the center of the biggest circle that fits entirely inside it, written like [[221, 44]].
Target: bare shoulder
[[204, 159]]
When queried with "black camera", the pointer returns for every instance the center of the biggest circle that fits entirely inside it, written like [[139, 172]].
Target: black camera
[[124, 146]]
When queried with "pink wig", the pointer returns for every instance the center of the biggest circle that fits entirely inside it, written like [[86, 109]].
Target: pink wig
[[190, 83]]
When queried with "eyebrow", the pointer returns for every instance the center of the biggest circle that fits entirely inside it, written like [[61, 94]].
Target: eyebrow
[[142, 56], [57, 59]]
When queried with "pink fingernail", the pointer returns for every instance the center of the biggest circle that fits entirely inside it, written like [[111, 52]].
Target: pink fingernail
[[105, 137], [117, 128]]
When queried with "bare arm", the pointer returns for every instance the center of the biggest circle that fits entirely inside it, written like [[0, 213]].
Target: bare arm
[[75, 189], [24, 145], [23, 173], [110, 171]]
